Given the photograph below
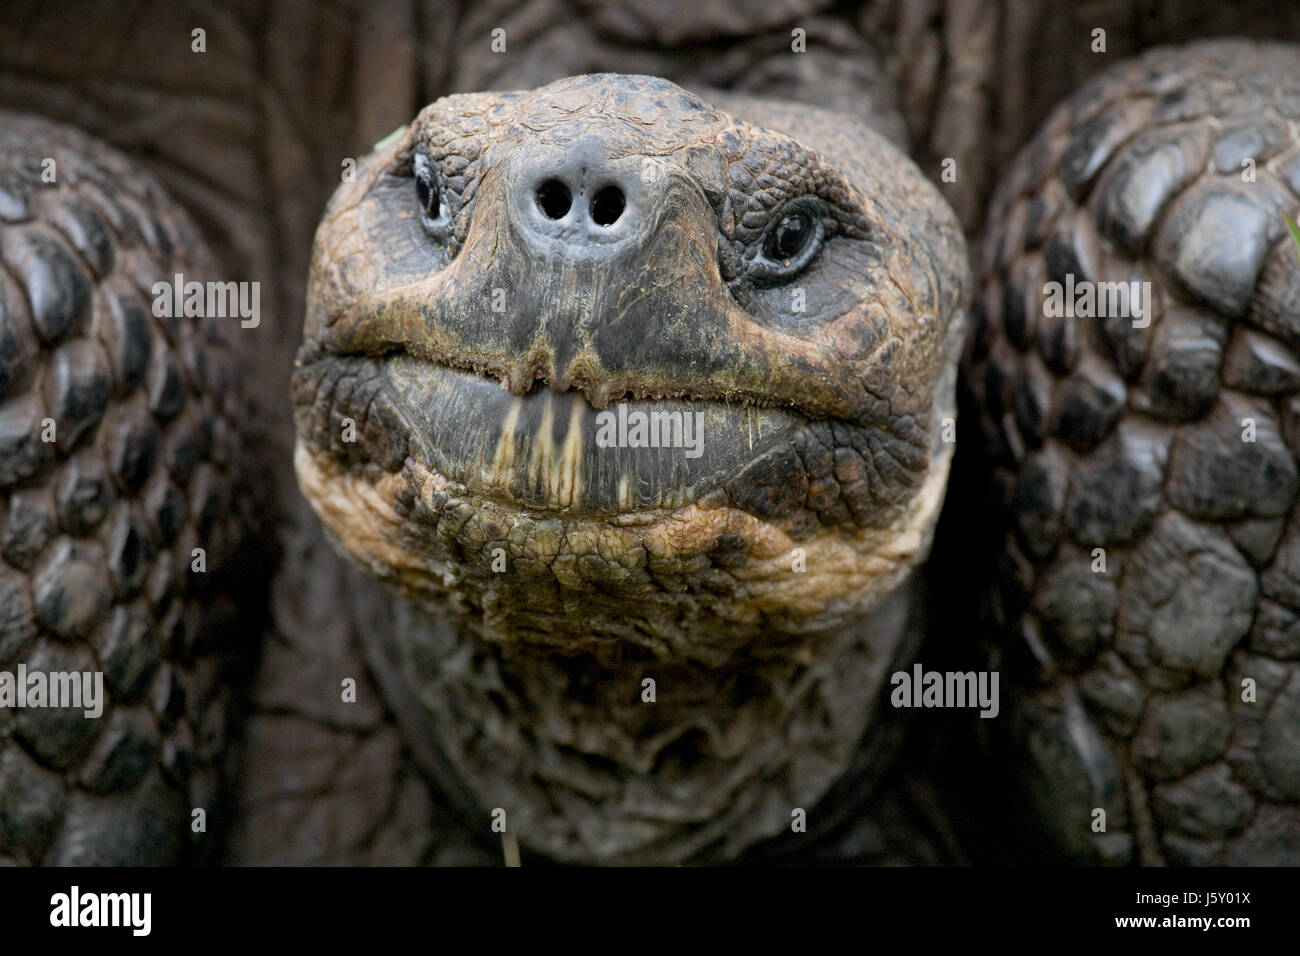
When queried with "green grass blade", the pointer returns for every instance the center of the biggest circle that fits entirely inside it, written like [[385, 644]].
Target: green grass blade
[[1295, 231], [400, 131]]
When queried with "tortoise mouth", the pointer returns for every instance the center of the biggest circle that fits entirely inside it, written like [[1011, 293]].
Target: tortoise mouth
[[544, 450]]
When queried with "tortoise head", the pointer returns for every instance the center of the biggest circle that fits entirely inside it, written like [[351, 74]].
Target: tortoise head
[[610, 363]]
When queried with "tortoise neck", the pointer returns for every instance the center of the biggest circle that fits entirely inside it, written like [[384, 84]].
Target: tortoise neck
[[594, 760]]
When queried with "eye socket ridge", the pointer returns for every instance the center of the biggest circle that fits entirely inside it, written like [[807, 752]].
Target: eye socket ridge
[[791, 239]]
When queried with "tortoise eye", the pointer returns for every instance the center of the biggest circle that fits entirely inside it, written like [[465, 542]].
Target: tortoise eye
[[427, 193], [791, 241], [790, 237]]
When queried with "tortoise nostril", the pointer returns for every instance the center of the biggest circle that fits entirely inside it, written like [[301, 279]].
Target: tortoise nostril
[[607, 205], [554, 199]]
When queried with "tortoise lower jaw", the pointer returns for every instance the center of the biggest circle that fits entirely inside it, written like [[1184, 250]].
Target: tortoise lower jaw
[[450, 485], [543, 451], [694, 584]]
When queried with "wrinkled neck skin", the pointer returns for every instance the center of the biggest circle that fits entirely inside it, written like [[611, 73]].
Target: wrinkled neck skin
[[588, 770]]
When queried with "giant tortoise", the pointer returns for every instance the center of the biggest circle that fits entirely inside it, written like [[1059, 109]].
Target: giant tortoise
[[592, 487]]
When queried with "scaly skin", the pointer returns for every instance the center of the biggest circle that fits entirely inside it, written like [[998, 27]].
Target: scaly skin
[[475, 445], [149, 461], [1135, 440]]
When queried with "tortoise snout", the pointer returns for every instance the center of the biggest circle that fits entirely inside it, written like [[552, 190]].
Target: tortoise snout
[[583, 197]]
